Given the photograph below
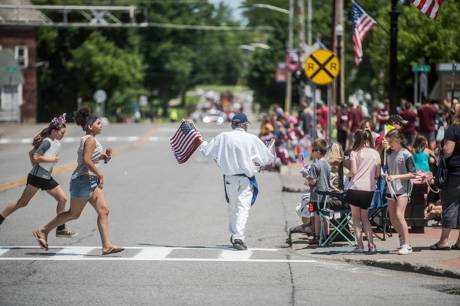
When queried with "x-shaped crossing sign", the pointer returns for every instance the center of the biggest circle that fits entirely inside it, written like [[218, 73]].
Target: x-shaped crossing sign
[[322, 67]]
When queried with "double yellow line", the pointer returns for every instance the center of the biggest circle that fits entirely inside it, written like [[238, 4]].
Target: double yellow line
[[72, 165]]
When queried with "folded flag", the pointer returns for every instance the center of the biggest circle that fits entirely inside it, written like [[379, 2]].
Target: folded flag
[[185, 141]]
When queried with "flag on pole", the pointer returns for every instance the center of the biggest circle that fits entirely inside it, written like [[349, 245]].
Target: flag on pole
[[361, 24], [185, 141], [428, 7]]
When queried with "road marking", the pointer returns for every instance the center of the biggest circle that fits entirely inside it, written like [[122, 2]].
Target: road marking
[[233, 254], [80, 253], [73, 252], [153, 253], [3, 251]]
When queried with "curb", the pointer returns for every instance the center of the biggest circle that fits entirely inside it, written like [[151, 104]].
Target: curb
[[405, 267]]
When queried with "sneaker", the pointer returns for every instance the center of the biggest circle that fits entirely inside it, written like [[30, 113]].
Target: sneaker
[[405, 249], [66, 233], [239, 245]]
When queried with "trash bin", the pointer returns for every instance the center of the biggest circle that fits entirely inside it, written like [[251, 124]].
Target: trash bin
[[415, 210]]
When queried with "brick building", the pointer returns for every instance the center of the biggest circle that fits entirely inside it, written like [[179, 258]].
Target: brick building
[[22, 41]]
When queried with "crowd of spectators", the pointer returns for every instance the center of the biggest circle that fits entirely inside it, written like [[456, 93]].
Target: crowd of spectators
[[422, 131]]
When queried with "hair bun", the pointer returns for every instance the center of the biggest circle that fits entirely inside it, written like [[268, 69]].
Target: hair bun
[[81, 115]]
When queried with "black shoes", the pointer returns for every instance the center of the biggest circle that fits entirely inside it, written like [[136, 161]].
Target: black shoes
[[239, 245]]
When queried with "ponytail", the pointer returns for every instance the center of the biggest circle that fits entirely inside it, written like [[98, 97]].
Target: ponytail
[[38, 139]]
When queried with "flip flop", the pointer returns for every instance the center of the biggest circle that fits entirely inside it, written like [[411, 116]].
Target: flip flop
[[113, 250], [455, 247], [438, 248], [42, 242]]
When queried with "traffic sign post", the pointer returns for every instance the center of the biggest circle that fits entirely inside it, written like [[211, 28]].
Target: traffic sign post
[[100, 96], [321, 68]]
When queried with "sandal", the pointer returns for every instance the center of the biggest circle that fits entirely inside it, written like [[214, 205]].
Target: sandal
[[41, 241], [113, 250], [455, 247], [436, 247]]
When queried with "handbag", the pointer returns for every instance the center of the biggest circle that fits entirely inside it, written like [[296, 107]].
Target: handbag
[[440, 180]]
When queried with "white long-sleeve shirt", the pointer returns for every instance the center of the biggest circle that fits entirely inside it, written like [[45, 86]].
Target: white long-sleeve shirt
[[237, 152]]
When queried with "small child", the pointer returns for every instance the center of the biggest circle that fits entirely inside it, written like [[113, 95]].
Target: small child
[[401, 168], [317, 177], [423, 156]]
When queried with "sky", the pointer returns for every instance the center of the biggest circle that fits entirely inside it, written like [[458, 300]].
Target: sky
[[234, 4]]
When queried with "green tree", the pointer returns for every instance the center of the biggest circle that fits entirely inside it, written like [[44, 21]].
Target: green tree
[[98, 63]]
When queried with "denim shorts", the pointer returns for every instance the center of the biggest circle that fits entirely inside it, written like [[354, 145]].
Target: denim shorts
[[83, 186]]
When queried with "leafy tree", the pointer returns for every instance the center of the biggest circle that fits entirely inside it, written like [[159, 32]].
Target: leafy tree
[[98, 62]]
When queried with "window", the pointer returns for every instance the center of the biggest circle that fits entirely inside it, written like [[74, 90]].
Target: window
[[21, 55]]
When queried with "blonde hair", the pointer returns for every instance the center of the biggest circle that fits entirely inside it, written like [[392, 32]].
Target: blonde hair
[[456, 115]]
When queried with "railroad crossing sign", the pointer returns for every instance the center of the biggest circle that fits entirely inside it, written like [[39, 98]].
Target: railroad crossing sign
[[322, 67]]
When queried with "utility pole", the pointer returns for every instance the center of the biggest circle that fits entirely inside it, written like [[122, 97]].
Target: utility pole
[[393, 90], [287, 102], [302, 44], [339, 31], [333, 86], [309, 18]]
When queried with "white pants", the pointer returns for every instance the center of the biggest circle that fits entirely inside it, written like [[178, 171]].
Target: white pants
[[239, 193]]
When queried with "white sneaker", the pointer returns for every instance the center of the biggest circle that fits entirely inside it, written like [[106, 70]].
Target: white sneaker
[[405, 249]]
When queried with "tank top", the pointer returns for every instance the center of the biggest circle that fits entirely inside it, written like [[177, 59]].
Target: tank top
[[422, 161], [81, 167]]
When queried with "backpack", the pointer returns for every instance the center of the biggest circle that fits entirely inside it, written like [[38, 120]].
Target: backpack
[[440, 179]]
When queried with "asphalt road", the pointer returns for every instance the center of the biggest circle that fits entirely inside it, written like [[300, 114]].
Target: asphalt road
[[173, 219]]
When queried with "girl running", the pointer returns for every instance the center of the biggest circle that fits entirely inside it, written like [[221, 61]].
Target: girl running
[[86, 184], [44, 155], [401, 168]]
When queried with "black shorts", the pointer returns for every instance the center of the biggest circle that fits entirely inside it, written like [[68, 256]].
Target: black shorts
[[41, 183], [359, 198]]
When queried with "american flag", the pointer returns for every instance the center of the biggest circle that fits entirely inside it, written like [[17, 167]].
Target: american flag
[[361, 24], [428, 7], [185, 141]]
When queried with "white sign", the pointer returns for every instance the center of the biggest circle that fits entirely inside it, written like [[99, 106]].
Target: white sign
[[100, 96], [143, 101]]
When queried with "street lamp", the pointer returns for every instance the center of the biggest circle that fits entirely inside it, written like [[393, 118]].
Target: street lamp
[[271, 7], [339, 34]]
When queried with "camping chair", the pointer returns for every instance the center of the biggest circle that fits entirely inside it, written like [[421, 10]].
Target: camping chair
[[378, 212], [338, 217]]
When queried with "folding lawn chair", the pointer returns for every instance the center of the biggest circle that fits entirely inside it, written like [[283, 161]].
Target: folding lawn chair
[[338, 217], [378, 212]]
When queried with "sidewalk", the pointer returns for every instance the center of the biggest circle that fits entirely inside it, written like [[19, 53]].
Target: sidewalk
[[422, 260]]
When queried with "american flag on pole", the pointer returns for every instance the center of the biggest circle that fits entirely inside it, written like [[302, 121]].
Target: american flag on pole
[[185, 141], [361, 24], [428, 7]]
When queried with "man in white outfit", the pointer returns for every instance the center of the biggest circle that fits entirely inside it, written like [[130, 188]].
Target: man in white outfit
[[239, 155]]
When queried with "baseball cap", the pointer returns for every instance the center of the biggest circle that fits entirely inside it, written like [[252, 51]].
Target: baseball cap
[[240, 118], [397, 119]]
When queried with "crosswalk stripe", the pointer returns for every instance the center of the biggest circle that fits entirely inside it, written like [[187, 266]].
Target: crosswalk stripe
[[80, 253], [3, 251], [157, 253], [77, 252], [232, 254]]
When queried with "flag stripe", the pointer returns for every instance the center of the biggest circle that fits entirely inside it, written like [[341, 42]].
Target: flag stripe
[[428, 7], [185, 141], [361, 24]]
